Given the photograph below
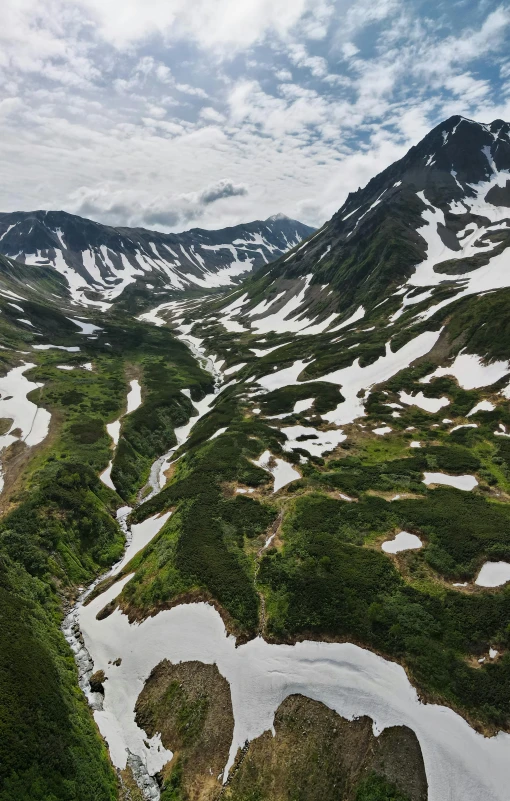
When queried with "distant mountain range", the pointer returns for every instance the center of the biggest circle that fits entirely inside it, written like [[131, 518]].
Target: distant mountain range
[[99, 262]]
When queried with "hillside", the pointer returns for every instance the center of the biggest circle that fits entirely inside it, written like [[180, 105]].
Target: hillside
[[311, 476], [431, 229]]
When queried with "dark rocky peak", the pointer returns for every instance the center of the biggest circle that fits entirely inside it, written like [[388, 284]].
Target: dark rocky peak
[[448, 162], [454, 184]]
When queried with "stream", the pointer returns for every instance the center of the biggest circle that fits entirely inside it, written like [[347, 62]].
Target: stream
[[461, 765], [157, 477]]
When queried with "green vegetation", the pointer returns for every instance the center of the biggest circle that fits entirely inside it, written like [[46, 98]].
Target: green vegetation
[[201, 548], [172, 789], [316, 755], [190, 706], [483, 324], [330, 578], [327, 397], [327, 577], [166, 367], [49, 748], [376, 788], [59, 532], [324, 583], [191, 714]]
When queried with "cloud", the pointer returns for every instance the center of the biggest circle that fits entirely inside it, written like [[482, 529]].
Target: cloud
[[129, 207], [9, 105], [221, 25], [222, 189], [134, 112], [317, 65], [349, 49], [186, 89], [210, 114]]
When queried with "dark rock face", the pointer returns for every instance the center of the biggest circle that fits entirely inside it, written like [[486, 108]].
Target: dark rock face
[[96, 682], [315, 753], [190, 705]]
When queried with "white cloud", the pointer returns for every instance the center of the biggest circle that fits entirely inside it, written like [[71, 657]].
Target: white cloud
[[210, 97], [186, 89], [209, 114], [226, 25], [366, 12], [9, 105], [134, 206], [317, 65], [349, 49], [283, 75]]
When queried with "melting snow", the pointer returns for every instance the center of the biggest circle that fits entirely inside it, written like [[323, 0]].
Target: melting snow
[[358, 315], [382, 431], [284, 377], [465, 483], [303, 405], [460, 764], [235, 368], [466, 425], [428, 404], [483, 406], [32, 420], [403, 541], [86, 328], [319, 443], [134, 397], [282, 471], [141, 535], [261, 353], [73, 349], [355, 378], [470, 372], [493, 574]]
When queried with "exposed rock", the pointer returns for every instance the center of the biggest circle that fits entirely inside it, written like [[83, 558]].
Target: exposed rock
[[107, 610], [96, 682]]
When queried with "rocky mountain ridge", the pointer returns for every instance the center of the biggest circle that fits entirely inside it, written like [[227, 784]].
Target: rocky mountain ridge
[[434, 225], [99, 261]]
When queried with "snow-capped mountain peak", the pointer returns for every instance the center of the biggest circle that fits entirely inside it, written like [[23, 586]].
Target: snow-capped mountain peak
[[100, 261], [432, 228]]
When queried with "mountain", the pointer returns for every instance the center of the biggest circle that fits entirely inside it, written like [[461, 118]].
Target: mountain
[[318, 457], [99, 261], [436, 222]]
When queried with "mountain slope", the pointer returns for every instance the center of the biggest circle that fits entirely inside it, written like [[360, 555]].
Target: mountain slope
[[366, 373], [99, 261], [433, 226], [341, 474]]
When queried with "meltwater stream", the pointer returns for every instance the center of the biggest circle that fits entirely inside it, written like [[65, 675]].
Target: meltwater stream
[[461, 765], [157, 477]]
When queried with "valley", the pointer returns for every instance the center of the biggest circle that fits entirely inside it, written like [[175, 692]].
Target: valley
[[273, 518]]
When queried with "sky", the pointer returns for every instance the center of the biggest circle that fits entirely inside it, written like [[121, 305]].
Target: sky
[[173, 114]]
